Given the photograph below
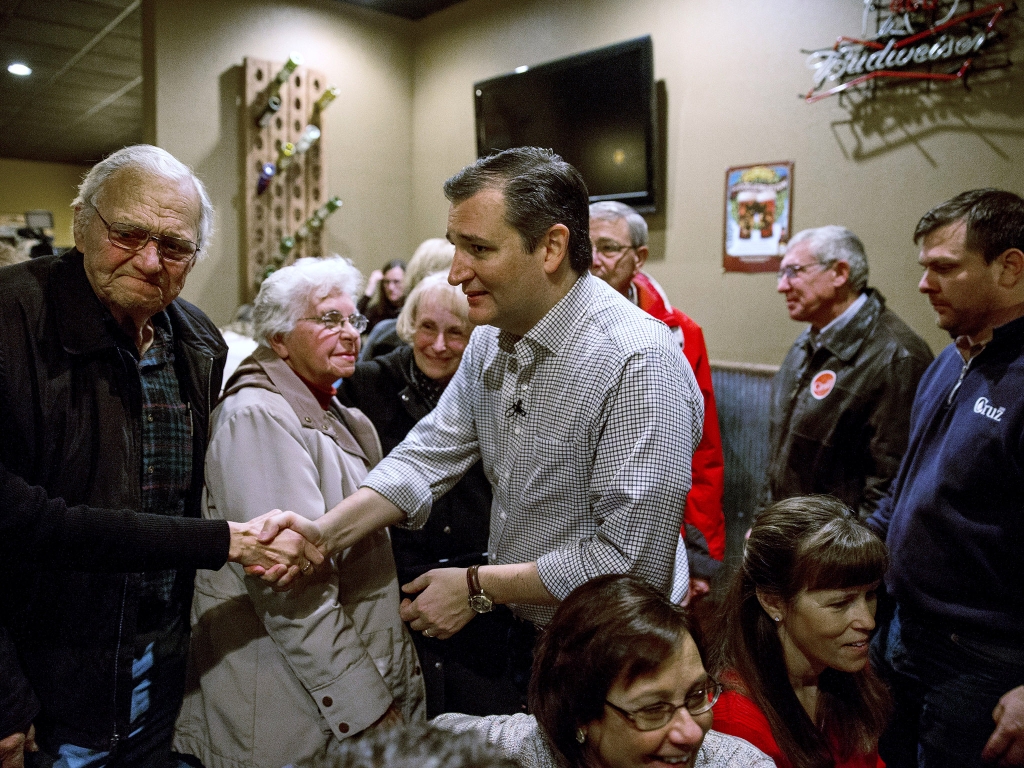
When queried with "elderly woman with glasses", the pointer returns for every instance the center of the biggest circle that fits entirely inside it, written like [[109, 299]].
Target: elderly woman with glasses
[[278, 679], [464, 672], [618, 682]]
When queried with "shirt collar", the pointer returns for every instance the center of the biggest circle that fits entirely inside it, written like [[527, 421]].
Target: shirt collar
[[847, 315], [552, 330]]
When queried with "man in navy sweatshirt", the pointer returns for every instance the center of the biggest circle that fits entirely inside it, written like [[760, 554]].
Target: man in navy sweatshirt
[[954, 518]]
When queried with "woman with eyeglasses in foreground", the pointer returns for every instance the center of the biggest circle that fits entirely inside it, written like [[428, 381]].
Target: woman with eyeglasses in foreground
[[792, 643], [279, 679], [617, 682]]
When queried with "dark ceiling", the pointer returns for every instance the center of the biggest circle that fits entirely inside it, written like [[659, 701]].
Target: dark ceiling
[[83, 99]]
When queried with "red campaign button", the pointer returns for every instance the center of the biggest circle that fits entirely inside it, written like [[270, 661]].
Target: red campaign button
[[822, 384]]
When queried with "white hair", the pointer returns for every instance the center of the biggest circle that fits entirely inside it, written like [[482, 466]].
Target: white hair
[[612, 211], [437, 287], [833, 243], [149, 160], [286, 293]]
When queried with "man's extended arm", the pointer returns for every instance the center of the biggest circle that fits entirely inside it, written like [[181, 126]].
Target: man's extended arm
[[1006, 745], [40, 532]]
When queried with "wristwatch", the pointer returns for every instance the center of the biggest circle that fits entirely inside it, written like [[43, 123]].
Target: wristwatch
[[479, 600]]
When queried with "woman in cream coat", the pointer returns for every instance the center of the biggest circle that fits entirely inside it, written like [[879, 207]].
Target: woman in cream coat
[[279, 679]]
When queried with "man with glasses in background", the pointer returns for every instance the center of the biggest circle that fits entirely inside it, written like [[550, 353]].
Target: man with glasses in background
[[618, 236], [840, 403], [106, 384]]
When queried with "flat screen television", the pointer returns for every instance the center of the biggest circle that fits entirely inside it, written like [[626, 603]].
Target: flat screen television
[[595, 109]]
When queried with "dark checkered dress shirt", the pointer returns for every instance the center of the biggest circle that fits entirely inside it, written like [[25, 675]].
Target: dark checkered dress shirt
[[586, 427], [166, 449]]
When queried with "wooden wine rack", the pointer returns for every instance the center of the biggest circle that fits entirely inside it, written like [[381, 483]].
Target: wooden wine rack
[[294, 194]]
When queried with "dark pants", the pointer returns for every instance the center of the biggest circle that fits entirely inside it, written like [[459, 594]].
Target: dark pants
[[945, 686], [158, 675], [482, 670]]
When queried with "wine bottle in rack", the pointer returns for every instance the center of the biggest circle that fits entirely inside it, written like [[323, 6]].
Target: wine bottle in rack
[[267, 171], [272, 108], [286, 246], [326, 98], [285, 154], [286, 71], [307, 139]]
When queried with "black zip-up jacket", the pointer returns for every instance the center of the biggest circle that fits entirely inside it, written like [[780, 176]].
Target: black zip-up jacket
[[840, 413], [70, 406]]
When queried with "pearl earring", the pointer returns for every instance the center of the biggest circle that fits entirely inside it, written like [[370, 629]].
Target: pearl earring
[[581, 735], [777, 618]]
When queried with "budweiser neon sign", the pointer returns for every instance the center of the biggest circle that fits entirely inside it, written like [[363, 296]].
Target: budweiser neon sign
[[944, 50]]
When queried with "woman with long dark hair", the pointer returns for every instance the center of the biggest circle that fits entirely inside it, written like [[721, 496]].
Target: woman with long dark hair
[[384, 294], [792, 645]]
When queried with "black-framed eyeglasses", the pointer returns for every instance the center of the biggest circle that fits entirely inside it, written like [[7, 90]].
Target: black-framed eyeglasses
[[335, 321], [610, 249], [795, 269], [130, 237], [655, 716]]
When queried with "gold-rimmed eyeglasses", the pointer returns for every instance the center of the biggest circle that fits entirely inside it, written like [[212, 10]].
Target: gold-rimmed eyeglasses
[[335, 321], [655, 716], [129, 237]]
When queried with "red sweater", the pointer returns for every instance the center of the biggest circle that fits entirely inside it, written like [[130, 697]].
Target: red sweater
[[737, 715], [704, 502]]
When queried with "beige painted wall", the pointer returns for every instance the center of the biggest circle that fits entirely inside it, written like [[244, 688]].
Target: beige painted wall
[[196, 60], [29, 185], [732, 72]]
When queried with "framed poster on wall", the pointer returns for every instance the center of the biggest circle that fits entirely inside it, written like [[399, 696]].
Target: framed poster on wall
[[758, 216]]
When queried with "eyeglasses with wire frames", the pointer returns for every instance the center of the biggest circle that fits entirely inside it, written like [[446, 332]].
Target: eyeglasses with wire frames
[[655, 716], [793, 270], [335, 321], [132, 238], [609, 249]]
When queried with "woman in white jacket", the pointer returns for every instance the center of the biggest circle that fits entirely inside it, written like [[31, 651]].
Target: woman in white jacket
[[280, 679]]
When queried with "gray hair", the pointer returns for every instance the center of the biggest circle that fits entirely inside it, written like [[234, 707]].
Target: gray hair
[[431, 256], [150, 160], [286, 293], [612, 210], [435, 286], [832, 243]]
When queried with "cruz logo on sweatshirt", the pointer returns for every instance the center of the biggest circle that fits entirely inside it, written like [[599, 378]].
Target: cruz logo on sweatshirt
[[982, 406]]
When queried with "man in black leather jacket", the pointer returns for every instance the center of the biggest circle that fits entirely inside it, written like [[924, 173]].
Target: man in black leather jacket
[[106, 384], [840, 404]]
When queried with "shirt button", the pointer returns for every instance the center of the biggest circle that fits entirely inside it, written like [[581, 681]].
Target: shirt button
[[308, 420], [519, 431], [150, 417], [150, 470], [343, 727], [328, 701], [525, 387], [437, 665], [502, 515], [447, 529]]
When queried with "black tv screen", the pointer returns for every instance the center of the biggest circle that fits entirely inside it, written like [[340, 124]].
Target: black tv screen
[[595, 109]]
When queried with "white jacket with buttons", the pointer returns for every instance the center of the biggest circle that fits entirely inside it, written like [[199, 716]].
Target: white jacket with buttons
[[282, 678]]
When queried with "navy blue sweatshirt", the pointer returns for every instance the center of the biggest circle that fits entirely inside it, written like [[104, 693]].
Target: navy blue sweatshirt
[[954, 517]]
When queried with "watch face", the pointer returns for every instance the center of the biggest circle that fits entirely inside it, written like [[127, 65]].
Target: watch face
[[481, 603]]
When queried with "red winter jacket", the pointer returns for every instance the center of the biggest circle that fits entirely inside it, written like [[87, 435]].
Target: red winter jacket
[[704, 502]]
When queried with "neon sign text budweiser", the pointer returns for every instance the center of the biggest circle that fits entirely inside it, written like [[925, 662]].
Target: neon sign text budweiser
[[902, 57]]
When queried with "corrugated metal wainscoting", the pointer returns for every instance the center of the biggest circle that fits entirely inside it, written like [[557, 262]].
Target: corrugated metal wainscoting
[[742, 395]]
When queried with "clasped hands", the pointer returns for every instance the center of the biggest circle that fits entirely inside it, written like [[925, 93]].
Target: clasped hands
[[278, 547]]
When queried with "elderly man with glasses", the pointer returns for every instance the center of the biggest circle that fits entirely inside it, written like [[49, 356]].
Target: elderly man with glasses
[[840, 403], [106, 384], [618, 236]]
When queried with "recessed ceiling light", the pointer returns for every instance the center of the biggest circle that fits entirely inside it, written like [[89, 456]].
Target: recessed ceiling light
[[17, 68], [520, 70]]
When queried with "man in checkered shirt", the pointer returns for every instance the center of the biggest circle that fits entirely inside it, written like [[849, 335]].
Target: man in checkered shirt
[[579, 404]]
